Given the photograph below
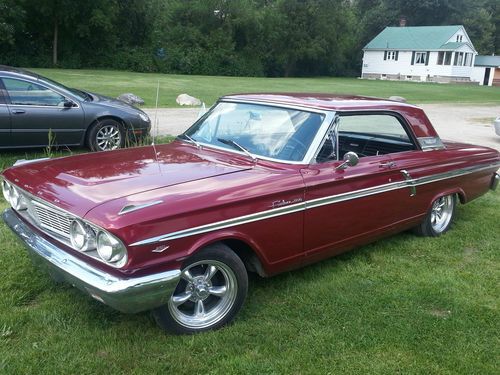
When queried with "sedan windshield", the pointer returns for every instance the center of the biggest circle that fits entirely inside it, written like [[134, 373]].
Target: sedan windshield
[[257, 130]]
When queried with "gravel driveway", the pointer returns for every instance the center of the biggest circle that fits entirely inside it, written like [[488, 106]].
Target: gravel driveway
[[456, 122]]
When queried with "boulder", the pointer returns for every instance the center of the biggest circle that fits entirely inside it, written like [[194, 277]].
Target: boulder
[[131, 99], [398, 99], [185, 99]]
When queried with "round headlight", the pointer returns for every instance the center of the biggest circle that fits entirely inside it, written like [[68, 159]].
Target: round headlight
[[17, 200], [82, 236], [6, 191], [110, 249]]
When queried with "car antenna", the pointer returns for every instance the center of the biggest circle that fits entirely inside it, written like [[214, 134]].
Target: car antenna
[[155, 129]]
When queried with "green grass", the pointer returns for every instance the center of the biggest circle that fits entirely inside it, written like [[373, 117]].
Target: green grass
[[404, 305], [208, 89]]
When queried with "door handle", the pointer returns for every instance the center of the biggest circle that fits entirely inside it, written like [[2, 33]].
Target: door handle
[[18, 111], [387, 164]]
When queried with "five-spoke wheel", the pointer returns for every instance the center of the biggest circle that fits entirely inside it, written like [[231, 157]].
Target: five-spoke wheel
[[440, 216], [212, 289]]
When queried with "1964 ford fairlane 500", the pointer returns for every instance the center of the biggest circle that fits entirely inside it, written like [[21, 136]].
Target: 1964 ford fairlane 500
[[261, 183]]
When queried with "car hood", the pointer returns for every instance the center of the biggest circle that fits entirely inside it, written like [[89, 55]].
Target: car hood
[[113, 103], [80, 183]]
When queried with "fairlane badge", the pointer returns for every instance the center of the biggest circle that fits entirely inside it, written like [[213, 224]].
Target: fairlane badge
[[282, 202]]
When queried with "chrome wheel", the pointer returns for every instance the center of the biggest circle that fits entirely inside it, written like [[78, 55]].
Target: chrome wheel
[[108, 137], [441, 213], [204, 296]]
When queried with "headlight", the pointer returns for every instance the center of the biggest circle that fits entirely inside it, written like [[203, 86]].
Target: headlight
[[144, 117], [110, 249], [17, 200], [6, 191], [82, 236]]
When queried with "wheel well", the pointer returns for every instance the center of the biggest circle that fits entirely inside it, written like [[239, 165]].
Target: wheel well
[[247, 255]]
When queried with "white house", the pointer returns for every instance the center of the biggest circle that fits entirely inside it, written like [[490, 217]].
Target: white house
[[420, 53]]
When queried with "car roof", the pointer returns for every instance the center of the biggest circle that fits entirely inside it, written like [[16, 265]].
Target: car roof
[[18, 71], [337, 102]]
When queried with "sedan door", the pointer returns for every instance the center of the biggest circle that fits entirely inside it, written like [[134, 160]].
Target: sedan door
[[37, 111], [350, 206], [4, 120]]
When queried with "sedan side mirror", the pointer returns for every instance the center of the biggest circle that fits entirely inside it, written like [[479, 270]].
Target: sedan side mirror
[[68, 103], [350, 160]]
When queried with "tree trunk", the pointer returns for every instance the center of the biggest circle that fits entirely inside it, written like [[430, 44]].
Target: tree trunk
[[54, 46]]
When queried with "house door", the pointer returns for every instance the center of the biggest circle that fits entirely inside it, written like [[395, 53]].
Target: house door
[[487, 73]]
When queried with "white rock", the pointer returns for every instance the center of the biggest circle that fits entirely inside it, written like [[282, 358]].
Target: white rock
[[185, 99]]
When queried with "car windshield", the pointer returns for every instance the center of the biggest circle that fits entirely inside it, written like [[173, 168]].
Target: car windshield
[[257, 130]]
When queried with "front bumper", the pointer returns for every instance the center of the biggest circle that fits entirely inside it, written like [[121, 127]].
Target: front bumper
[[129, 295]]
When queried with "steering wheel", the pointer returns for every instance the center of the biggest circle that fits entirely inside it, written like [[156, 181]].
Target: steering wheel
[[293, 150], [30, 88]]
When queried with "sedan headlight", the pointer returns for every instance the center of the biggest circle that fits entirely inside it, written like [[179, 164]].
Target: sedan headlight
[[6, 191], [144, 117], [110, 249], [82, 236], [13, 196]]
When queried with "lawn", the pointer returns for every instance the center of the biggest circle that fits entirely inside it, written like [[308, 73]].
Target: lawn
[[208, 89], [402, 305]]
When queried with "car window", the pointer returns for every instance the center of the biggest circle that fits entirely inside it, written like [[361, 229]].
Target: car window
[[268, 131], [28, 93], [366, 135]]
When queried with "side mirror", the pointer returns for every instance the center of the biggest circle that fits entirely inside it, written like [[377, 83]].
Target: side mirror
[[351, 159], [68, 103]]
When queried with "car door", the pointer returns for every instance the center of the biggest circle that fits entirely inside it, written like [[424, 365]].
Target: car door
[[4, 120], [37, 110], [353, 205]]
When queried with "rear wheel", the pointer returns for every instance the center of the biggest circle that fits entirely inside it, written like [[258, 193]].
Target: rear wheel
[[106, 135], [211, 291], [439, 218]]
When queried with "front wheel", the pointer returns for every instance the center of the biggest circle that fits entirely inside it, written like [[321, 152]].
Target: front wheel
[[211, 291], [106, 135], [439, 218]]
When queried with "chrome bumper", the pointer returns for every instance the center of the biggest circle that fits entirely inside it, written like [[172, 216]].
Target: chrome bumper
[[494, 181], [128, 295]]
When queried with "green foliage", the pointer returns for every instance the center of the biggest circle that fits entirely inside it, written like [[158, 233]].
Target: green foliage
[[222, 37]]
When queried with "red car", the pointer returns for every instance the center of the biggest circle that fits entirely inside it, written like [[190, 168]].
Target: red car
[[261, 183]]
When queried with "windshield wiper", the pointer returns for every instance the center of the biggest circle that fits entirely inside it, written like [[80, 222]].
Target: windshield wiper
[[189, 139], [237, 146]]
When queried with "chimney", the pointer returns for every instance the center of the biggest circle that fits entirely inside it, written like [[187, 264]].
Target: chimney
[[402, 21]]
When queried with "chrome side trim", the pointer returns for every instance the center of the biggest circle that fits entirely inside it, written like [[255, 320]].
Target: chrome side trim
[[127, 294], [495, 181], [135, 207], [411, 183], [224, 224]]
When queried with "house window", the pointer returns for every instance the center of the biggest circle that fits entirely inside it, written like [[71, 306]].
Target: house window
[[391, 55], [467, 59], [459, 38], [440, 58], [420, 57], [459, 59], [447, 58]]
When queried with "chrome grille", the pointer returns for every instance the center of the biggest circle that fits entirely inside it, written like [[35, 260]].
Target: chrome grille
[[51, 219]]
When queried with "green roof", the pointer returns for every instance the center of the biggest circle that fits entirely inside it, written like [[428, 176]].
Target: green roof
[[414, 38], [452, 45], [487, 61]]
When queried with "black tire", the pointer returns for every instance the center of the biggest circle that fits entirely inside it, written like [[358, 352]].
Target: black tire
[[193, 308], [99, 129], [439, 218]]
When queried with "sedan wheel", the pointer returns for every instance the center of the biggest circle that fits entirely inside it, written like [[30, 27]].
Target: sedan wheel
[[439, 219], [105, 135], [211, 291]]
